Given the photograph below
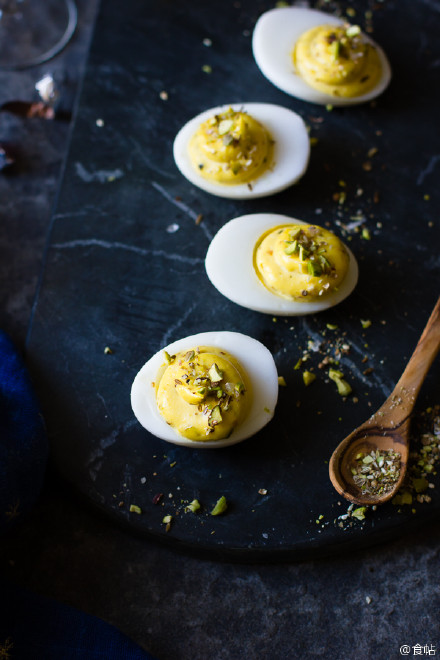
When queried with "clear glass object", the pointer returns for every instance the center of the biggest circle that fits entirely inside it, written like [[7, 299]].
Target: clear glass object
[[34, 31]]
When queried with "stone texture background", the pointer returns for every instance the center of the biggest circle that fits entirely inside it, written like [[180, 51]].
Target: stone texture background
[[178, 607]]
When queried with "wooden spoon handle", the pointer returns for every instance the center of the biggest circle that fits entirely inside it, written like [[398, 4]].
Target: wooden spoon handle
[[410, 382]]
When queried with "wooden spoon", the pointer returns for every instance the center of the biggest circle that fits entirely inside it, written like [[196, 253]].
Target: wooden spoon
[[388, 428]]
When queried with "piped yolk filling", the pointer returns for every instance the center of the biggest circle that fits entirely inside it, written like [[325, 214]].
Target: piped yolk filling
[[300, 262], [231, 148], [203, 393], [337, 60]]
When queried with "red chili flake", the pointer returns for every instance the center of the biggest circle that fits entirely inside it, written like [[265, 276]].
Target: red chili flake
[[157, 498]]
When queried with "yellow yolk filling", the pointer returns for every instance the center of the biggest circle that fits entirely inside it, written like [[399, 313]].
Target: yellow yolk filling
[[300, 262], [231, 148], [337, 60], [203, 393]]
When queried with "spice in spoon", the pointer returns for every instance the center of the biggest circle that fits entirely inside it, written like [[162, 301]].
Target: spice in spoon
[[376, 472]]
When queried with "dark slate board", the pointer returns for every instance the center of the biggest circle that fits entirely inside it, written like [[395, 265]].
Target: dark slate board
[[114, 276]]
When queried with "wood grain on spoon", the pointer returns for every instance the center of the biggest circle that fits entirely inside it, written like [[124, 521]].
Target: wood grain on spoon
[[388, 428]]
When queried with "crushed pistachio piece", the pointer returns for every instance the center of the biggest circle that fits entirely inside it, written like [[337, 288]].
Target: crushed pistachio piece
[[215, 374], [377, 472], [215, 416], [167, 519], [344, 389], [220, 506], [169, 358], [193, 506], [281, 381], [403, 497], [239, 388], [359, 513], [135, 509], [308, 378], [420, 484], [353, 31], [365, 323], [366, 234]]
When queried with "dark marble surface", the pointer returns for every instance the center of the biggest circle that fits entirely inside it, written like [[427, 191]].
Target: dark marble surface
[[366, 604], [114, 275]]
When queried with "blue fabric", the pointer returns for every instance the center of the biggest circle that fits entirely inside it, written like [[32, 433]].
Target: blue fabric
[[23, 440], [33, 627]]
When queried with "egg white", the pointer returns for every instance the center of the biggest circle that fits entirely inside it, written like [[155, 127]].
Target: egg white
[[253, 356], [291, 151], [230, 267], [273, 41]]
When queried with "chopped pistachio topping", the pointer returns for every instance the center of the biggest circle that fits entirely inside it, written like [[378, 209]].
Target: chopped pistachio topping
[[225, 126], [239, 388], [215, 374], [135, 509], [215, 416], [169, 358], [353, 31], [307, 249]]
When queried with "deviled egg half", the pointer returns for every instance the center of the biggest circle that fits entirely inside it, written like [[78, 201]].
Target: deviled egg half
[[319, 58], [279, 265], [243, 151], [208, 390]]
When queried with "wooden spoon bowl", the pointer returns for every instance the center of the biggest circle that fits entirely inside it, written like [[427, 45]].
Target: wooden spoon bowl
[[388, 429]]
